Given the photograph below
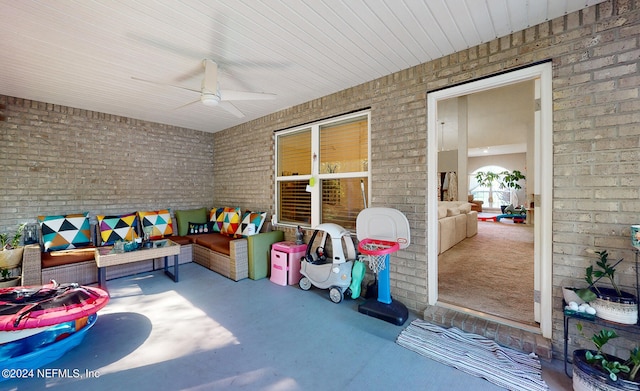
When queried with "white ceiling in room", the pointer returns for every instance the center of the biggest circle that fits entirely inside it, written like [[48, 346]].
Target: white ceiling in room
[[86, 54], [500, 120]]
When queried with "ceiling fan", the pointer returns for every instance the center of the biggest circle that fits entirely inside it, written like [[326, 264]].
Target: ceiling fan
[[212, 95]]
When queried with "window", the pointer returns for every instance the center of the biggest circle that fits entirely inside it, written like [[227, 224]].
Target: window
[[491, 194], [322, 172]]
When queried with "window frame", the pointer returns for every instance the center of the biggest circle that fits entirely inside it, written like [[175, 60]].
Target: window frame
[[316, 189]]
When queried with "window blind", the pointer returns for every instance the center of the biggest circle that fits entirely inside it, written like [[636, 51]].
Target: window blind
[[294, 154], [344, 147], [295, 202]]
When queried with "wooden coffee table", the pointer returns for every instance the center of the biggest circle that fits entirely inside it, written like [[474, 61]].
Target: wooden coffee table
[[105, 257]]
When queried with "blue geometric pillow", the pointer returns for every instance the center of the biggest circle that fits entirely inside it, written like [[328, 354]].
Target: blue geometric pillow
[[65, 232]]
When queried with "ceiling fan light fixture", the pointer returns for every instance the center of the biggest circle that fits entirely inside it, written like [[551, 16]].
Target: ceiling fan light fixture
[[209, 99]]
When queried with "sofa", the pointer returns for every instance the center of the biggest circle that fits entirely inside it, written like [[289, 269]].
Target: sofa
[[241, 251], [456, 222], [234, 244]]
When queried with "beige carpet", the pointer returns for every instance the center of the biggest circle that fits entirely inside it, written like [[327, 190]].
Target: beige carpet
[[491, 272]]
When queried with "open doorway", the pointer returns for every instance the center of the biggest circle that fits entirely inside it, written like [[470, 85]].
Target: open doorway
[[465, 138], [493, 257]]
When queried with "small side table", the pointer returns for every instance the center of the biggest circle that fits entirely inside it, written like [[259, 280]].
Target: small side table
[[285, 262]]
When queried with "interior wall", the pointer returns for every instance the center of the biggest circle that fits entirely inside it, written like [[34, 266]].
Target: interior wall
[[594, 54], [448, 161], [512, 161], [59, 160]]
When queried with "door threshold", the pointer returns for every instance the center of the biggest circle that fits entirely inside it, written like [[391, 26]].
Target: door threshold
[[518, 336], [493, 318]]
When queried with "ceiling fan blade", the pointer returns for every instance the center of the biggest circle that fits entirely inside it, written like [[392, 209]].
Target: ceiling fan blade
[[187, 104], [191, 74], [210, 82], [164, 84], [227, 95], [231, 108]]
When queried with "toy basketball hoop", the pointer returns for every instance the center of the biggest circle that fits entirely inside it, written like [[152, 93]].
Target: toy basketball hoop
[[382, 231], [376, 252]]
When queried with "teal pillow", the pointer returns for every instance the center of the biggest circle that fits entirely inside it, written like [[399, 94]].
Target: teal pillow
[[65, 232], [184, 217]]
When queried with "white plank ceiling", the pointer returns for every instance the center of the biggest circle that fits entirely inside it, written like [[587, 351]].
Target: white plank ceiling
[[86, 54]]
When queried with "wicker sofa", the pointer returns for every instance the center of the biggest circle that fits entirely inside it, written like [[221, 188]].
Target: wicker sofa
[[225, 253], [78, 265], [235, 258]]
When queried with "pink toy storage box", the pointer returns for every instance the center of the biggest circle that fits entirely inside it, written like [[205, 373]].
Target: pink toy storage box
[[285, 262]]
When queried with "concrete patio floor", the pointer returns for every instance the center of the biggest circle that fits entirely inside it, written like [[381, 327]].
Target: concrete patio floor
[[207, 332]]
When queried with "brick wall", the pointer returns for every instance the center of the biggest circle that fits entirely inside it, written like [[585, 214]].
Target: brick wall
[[57, 160], [596, 141]]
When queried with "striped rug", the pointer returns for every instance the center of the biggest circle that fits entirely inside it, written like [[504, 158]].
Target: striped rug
[[475, 355]]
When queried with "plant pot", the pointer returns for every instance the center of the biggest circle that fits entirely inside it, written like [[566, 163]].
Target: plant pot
[[570, 295], [10, 259], [621, 309], [13, 281], [587, 377]]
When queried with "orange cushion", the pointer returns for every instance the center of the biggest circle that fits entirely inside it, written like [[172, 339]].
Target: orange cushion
[[216, 242], [67, 257], [181, 240]]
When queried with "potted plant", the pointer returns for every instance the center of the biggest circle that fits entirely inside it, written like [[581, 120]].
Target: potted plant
[[6, 280], [611, 304], [10, 249], [487, 179], [596, 370], [509, 180]]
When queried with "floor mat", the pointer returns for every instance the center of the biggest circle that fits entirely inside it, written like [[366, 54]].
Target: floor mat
[[475, 355]]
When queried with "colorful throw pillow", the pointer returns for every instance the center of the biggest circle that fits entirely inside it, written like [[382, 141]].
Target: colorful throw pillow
[[65, 232], [115, 228], [230, 221], [251, 223], [199, 228], [159, 221], [216, 216]]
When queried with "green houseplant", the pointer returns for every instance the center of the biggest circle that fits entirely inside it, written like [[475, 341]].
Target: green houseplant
[[487, 179], [509, 180], [505, 179], [611, 304], [594, 369], [10, 249], [6, 280]]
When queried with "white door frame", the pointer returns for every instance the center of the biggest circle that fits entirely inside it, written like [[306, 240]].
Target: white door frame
[[542, 188]]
